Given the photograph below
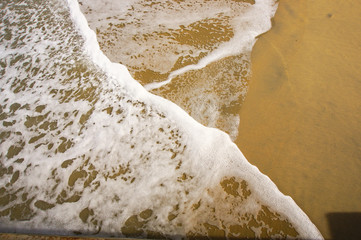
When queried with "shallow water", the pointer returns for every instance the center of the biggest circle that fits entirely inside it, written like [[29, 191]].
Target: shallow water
[[168, 47], [85, 149]]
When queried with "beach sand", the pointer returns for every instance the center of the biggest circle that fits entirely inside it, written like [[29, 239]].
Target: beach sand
[[300, 122]]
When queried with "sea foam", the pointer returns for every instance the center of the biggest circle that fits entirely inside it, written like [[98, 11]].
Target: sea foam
[[193, 53], [86, 149]]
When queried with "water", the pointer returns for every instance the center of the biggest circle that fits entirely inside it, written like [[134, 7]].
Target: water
[[194, 54], [85, 149]]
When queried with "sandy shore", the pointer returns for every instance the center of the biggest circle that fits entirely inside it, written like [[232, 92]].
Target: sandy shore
[[300, 123]]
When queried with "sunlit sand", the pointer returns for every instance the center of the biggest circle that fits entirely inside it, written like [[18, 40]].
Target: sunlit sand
[[300, 123]]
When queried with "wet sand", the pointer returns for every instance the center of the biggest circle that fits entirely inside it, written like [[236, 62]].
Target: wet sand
[[300, 122]]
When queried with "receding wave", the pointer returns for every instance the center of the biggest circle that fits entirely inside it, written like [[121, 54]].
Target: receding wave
[[85, 149], [194, 53]]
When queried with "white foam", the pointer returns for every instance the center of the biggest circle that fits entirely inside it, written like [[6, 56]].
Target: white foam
[[247, 26], [219, 152], [143, 36], [109, 153]]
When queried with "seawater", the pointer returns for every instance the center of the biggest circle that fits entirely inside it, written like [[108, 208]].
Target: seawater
[[194, 53], [85, 149]]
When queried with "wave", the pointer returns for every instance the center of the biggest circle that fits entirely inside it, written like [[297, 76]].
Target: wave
[[86, 149]]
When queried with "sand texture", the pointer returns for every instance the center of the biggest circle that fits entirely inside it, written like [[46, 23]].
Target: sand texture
[[300, 122]]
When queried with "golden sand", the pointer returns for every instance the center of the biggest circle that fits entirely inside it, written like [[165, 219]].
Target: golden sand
[[300, 122]]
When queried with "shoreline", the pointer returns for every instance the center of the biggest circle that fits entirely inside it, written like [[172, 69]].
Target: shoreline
[[299, 123]]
